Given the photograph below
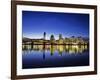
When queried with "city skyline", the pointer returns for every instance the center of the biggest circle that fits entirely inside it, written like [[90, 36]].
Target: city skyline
[[34, 24], [42, 37]]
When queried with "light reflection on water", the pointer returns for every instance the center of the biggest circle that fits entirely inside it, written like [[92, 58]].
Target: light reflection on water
[[60, 48], [40, 56]]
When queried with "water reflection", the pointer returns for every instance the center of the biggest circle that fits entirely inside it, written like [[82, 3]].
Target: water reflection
[[40, 56], [71, 49]]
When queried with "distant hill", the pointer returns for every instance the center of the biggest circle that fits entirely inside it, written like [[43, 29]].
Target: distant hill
[[26, 39]]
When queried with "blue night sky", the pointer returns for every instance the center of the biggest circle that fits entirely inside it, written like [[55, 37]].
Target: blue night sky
[[34, 24]]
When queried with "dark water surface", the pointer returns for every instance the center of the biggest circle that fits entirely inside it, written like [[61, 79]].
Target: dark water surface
[[54, 56]]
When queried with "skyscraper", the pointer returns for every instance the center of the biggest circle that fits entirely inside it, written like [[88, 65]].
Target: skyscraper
[[44, 35]]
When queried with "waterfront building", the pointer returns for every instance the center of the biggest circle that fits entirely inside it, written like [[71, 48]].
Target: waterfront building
[[61, 40], [52, 39]]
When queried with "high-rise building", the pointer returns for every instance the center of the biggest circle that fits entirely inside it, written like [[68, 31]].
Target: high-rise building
[[44, 35], [61, 41], [52, 39]]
